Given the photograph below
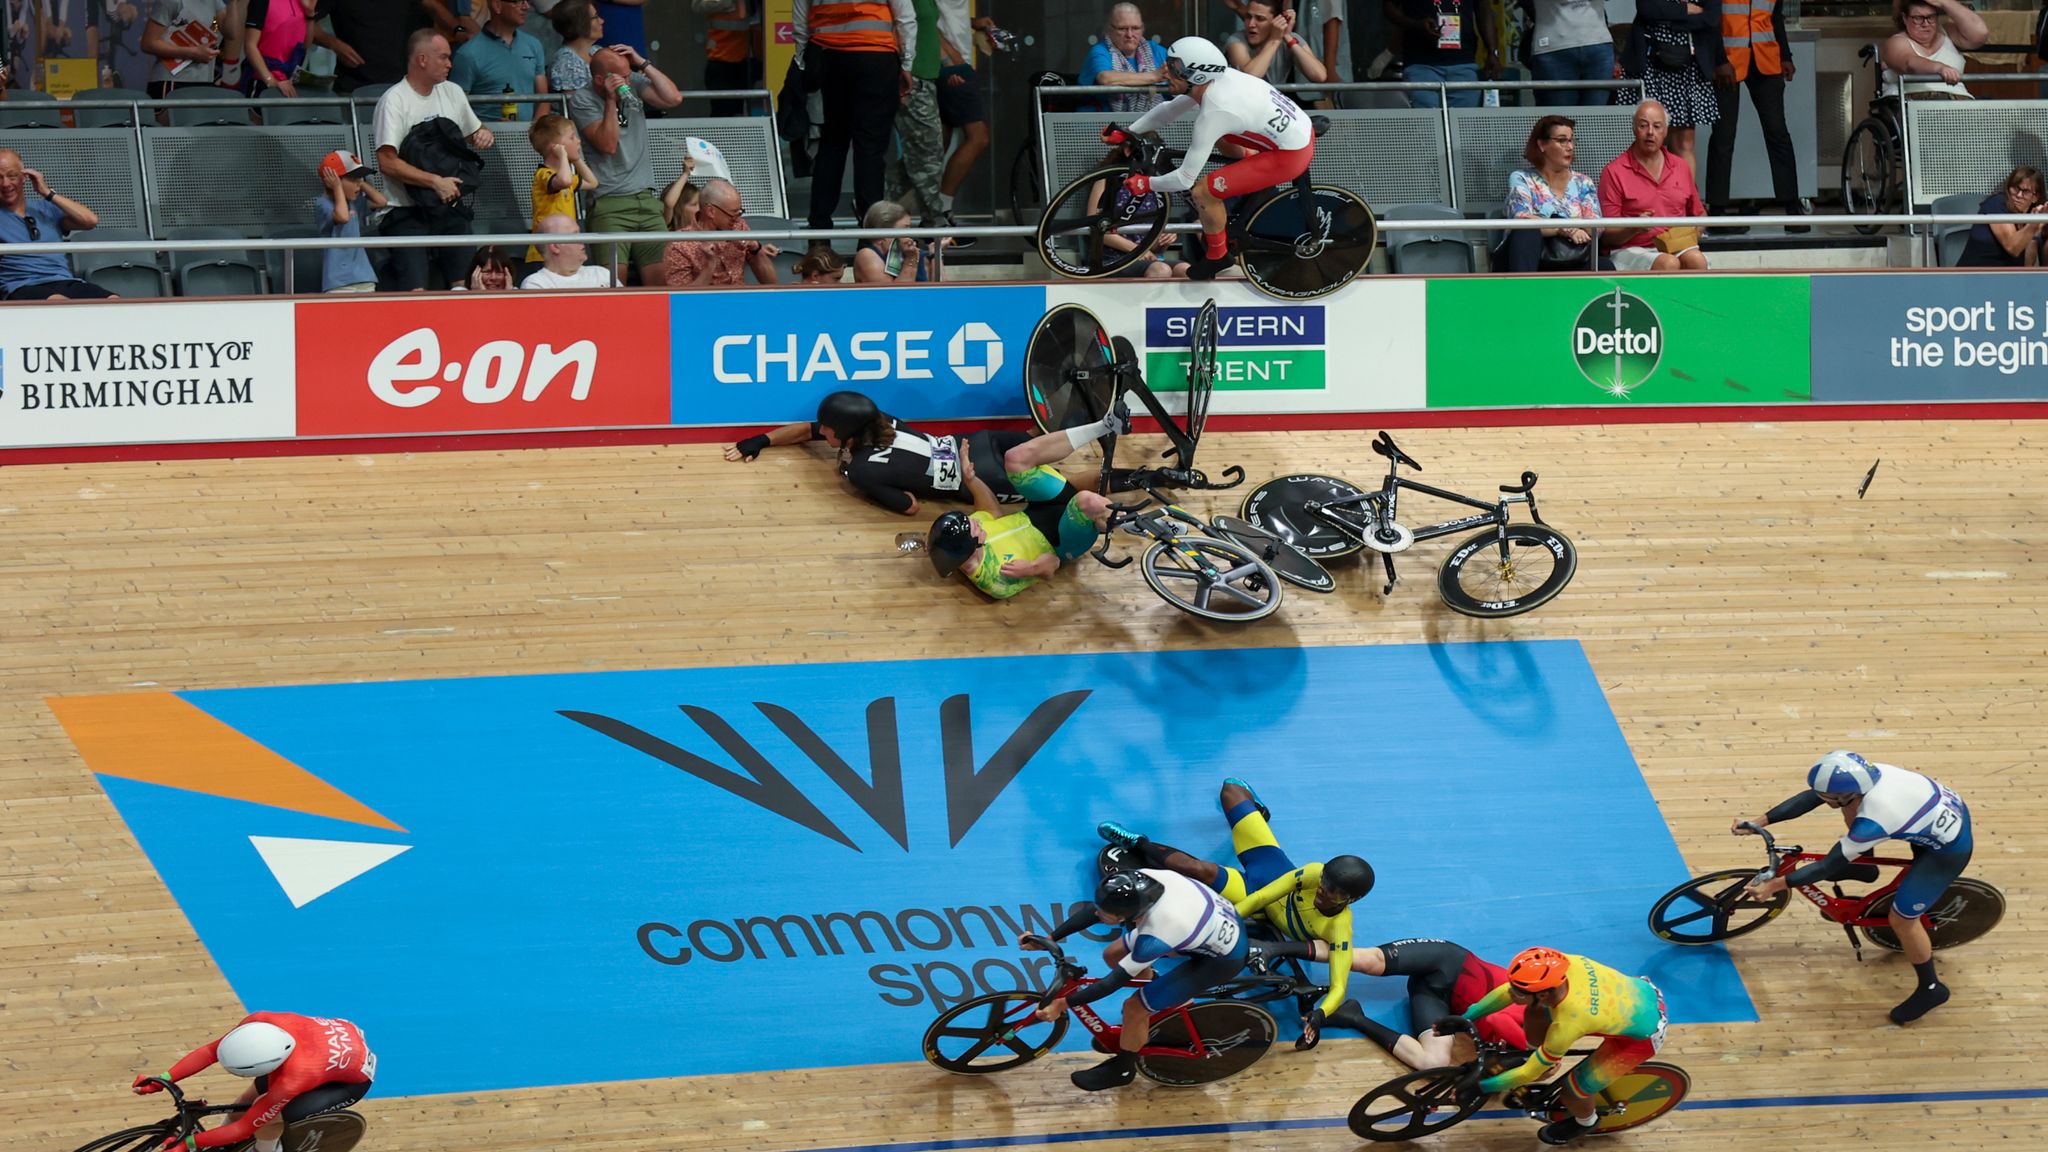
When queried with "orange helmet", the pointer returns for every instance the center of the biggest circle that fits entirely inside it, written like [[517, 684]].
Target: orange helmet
[[1537, 969]]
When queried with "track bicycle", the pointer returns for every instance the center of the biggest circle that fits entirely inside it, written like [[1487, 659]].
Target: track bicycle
[[328, 1132], [1718, 906], [1505, 570], [1423, 1103], [1219, 1036], [1295, 242]]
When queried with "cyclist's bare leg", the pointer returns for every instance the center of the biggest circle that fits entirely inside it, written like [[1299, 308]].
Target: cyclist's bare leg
[[1137, 1025], [1215, 218], [1052, 447], [1370, 961]]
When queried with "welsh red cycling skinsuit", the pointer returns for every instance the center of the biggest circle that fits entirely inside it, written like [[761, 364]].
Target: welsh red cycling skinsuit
[[1475, 979], [325, 1051], [1446, 978]]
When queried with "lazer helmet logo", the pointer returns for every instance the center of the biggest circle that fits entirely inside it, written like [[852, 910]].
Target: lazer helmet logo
[[969, 791]]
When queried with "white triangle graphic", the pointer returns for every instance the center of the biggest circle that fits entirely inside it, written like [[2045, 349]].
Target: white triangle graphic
[[310, 869]]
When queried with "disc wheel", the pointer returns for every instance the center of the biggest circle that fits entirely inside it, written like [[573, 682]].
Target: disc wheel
[[1647, 1092], [1713, 907], [1235, 1036], [1067, 377], [1411, 1106], [1281, 506], [1287, 562], [1201, 369], [1286, 251], [327, 1132], [1869, 168], [1220, 581], [1969, 909], [1477, 580], [1095, 228], [992, 1033]]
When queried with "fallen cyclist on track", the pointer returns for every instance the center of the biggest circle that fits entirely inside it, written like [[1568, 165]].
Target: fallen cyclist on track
[[895, 465], [1444, 980]]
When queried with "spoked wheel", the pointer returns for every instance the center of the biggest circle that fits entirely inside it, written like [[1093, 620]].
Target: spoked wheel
[[1281, 506], [1411, 1106], [1869, 168], [991, 1033], [1095, 228], [1477, 579], [1300, 255], [1222, 581], [1067, 377], [328, 1132], [1969, 909], [1287, 562], [1234, 1037], [1713, 907], [1634, 1100]]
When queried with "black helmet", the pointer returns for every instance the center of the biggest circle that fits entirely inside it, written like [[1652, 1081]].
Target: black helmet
[[951, 541], [1126, 895], [1349, 875], [846, 413]]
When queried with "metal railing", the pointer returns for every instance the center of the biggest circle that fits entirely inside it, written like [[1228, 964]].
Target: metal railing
[[1929, 220]]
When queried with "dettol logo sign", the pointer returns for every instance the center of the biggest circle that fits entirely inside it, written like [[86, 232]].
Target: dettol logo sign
[[1617, 342]]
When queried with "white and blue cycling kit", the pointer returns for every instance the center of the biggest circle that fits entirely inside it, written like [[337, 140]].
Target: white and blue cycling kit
[[1191, 921], [1897, 805]]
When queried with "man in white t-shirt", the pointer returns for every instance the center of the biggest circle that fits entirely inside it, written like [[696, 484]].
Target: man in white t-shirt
[[562, 263], [424, 203]]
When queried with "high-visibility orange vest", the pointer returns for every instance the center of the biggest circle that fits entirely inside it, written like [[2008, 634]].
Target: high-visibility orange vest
[[730, 37], [854, 26], [1746, 32]]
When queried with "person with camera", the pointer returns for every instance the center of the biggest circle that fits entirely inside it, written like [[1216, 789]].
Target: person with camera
[[425, 134]]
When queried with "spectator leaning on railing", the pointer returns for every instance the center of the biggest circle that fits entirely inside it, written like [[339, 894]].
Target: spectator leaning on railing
[[46, 219], [1647, 180], [1269, 48], [885, 259], [1919, 47], [2008, 245], [1125, 58]]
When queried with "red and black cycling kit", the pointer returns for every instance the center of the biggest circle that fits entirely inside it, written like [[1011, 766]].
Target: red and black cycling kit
[[1444, 979], [330, 1067]]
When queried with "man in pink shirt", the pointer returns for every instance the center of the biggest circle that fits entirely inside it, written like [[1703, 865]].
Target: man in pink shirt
[[1648, 181]]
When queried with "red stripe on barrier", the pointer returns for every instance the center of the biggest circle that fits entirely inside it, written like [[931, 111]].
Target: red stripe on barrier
[[1295, 422]]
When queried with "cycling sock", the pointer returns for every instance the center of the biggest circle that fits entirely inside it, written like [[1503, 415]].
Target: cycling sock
[[1353, 1017], [1216, 245], [1088, 433], [1928, 994]]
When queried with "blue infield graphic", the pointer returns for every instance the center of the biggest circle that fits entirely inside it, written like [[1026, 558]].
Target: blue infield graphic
[[642, 874]]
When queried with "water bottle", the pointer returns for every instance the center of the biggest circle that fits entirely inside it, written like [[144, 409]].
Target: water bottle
[[509, 110], [625, 94]]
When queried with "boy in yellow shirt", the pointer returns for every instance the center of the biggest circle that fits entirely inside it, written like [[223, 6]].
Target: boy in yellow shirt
[[562, 172]]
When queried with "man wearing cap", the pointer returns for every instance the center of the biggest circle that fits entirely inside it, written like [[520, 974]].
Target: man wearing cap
[[339, 214], [718, 263], [43, 220], [503, 60]]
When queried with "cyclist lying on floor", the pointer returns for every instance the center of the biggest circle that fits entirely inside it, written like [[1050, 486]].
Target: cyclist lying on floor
[[1309, 906], [893, 464], [1163, 915], [1565, 999], [1002, 553], [1443, 979]]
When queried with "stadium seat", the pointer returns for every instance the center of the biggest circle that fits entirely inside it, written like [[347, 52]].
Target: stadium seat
[[366, 112], [1422, 252], [109, 117], [276, 109], [133, 273], [220, 278], [203, 106], [131, 280], [307, 264], [1950, 239], [31, 110]]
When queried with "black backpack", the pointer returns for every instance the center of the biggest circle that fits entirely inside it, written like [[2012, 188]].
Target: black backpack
[[438, 146]]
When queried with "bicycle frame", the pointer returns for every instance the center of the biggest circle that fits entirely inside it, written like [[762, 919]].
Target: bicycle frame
[[1073, 980], [1383, 535], [1851, 912]]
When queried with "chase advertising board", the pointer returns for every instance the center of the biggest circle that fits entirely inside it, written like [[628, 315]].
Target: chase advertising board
[[924, 353]]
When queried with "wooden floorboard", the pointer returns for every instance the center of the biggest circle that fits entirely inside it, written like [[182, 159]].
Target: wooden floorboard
[[1741, 607]]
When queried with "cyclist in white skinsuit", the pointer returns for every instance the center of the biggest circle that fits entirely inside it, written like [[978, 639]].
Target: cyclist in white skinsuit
[[1236, 110]]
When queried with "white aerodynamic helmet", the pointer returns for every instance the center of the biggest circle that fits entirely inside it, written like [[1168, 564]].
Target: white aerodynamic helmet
[[1196, 60], [1842, 774], [254, 1049]]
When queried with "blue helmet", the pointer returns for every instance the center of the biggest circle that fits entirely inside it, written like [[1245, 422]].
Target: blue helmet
[[1842, 774]]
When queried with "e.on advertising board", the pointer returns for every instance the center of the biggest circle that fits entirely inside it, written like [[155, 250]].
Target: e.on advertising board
[[109, 373], [392, 365]]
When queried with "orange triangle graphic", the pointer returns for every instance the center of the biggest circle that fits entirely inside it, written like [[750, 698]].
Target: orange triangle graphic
[[159, 738]]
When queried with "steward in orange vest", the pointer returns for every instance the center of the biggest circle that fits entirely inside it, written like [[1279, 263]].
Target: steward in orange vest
[[1760, 59], [1751, 32]]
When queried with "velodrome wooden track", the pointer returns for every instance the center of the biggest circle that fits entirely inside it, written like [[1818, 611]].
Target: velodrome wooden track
[[1741, 607]]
